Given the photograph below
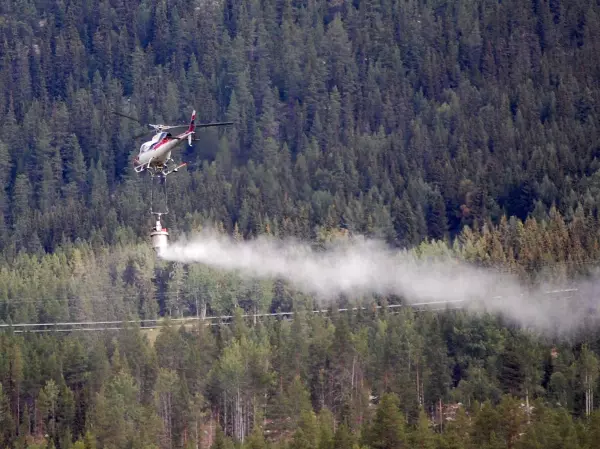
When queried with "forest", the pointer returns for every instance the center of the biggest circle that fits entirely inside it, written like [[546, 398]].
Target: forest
[[466, 128]]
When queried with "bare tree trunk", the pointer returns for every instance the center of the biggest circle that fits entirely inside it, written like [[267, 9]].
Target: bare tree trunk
[[53, 419], [588, 398], [527, 405], [165, 414], [170, 420], [441, 417], [265, 413], [238, 417], [225, 412], [352, 382], [37, 431], [18, 408], [197, 436], [418, 385], [587, 395], [210, 428]]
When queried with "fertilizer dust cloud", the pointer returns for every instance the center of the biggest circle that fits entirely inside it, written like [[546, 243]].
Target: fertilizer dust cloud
[[366, 267]]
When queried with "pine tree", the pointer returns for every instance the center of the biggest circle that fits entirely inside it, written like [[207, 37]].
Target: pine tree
[[437, 223], [387, 430]]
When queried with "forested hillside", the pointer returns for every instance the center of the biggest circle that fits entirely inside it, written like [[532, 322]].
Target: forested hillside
[[472, 123], [400, 119], [363, 380]]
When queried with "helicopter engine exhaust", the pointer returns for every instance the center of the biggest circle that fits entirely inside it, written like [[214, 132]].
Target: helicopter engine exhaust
[[159, 237]]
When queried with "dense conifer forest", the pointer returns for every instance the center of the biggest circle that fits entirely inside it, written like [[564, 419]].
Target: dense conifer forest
[[467, 128]]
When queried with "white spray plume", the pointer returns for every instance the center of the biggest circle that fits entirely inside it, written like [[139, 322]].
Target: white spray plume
[[361, 267]]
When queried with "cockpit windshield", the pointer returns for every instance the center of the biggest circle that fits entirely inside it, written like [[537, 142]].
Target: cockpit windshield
[[158, 137], [150, 144]]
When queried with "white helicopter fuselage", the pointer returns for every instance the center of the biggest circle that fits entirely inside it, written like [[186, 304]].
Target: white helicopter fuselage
[[155, 153]]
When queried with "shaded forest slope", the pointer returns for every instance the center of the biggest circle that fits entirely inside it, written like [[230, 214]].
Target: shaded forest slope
[[396, 119], [350, 381]]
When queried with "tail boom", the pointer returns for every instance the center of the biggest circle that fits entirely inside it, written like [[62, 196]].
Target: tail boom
[[192, 127]]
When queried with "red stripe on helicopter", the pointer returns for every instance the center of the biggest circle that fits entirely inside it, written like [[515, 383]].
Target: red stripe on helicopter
[[168, 139], [161, 143]]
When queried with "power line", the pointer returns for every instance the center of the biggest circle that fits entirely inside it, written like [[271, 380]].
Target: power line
[[221, 319], [153, 323]]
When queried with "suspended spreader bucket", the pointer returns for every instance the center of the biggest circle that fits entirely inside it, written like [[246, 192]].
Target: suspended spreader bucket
[[160, 238]]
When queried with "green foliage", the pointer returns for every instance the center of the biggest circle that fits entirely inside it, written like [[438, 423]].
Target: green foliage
[[388, 429], [104, 390], [467, 130], [339, 118]]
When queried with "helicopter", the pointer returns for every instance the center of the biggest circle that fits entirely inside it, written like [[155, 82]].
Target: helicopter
[[155, 157], [155, 154]]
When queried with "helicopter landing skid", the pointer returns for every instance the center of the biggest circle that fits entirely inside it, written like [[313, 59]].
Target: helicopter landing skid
[[163, 170], [175, 169]]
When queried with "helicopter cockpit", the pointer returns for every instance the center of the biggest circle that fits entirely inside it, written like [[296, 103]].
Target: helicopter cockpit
[[152, 143]]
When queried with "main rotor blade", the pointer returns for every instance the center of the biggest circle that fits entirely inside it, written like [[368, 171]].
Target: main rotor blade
[[137, 136], [176, 126], [165, 127], [128, 116], [206, 125]]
